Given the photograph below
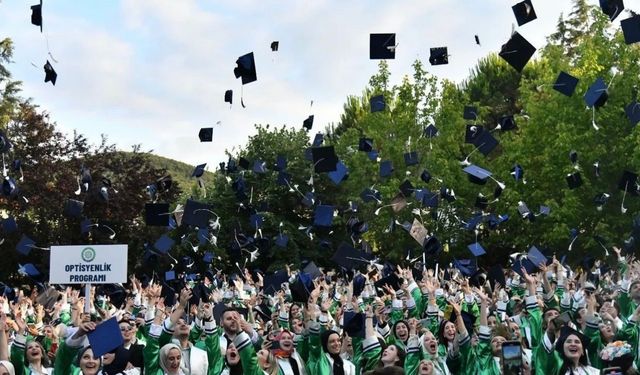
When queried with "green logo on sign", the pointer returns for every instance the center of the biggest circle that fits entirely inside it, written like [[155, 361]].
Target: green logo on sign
[[88, 254]]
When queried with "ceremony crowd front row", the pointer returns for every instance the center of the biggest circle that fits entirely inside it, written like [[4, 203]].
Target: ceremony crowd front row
[[547, 319]]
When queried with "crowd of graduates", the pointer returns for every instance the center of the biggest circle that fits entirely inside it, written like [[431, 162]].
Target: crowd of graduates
[[415, 321]]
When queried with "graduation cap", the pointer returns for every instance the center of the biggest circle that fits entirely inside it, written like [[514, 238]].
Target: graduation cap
[[323, 216], [9, 187], [29, 270], [466, 266], [274, 46], [517, 172], [477, 175], [496, 275], [486, 143], [472, 133], [308, 123], [259, 167], [312, 270], [566, 84], [597, 94], [438, 56], [318, 140], [633, 112], [470, 113], [411, 158], [340, 174], [206, 134], [282, 240], [382, 46], [36, 15], [105, 337], [430, 131], [398, 203], [386, 168], [25, 245], [481, 202], [628, 182], [506, 123], [425, 176], [246, 68], [157, 214], [164, 244], [197, 214], [50, 74], [366, 144], [199, 170], [301, 288], [8, 225], [574, 180], [432, 246], [73, 208], [377, 103], [5, 144], [391, 280], [370, 195], [612, 8], [228, 96], [354, 324], [517, 51], [347, 256], [631, 29], [256, 220], [324, 159], [273, 283], [524, 12], [406, 188]]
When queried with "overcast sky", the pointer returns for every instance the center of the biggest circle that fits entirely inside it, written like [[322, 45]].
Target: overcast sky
[[155, 71]]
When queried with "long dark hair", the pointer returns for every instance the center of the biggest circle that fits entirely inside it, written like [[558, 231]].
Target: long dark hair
[[566, 363], [441, 338]]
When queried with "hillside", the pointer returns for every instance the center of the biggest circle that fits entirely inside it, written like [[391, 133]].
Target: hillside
[[180, 172]]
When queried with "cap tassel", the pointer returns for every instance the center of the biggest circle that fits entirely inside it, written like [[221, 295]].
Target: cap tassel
[[40, 248], [593, 119], [4, 168], [572, 241], [623, 209], [606, 252], [242, 97], [596, 165]]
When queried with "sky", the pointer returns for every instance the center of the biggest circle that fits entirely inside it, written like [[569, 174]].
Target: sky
[[153, 72]]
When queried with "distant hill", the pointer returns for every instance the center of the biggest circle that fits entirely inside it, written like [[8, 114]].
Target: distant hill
[[179, 171]]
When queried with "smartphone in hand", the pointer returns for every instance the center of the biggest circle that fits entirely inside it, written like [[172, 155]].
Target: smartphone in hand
[[511, 358]]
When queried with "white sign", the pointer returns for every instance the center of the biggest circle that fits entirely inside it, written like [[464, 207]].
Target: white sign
[[88, 264]]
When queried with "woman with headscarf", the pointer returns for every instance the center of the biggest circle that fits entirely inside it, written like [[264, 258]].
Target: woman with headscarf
[[73, 358], [421, 350]]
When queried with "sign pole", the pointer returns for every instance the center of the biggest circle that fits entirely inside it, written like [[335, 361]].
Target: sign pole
[[87, 298]]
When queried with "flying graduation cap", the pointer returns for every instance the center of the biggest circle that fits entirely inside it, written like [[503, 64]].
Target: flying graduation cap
[[438, 56], [612, 8], [206, 134], [524, 12], [50, 74], [382, 46], [517, 51], [274, 46], [631, 29], [36, 15], [246, 68]]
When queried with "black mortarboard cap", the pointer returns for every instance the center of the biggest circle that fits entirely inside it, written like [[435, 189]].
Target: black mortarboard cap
[[282, 240], [392, 280], [228, 96], [169, 295], [199, 170], [430, 131], [274, 46], [477, 175], [470, 112], [36, 15], [358, 284], [472, 133], [354, 324], [197, 214], [507, 123], [8, 225], [73, 208], [386, 168], [9, 187], [308, 123], [25, 245], [496, 275], [574, 180], [323, 216], [482, 202], [301, 288], [164, 244], [566, 84], [343, 255], [157, 214], [366, 144], [324, 159], [631, 29], [273, 283], [406, 188], [430, 199], [243, 163], [318, 140], [628, 182], [206, 134], [524, 12], [432, 246], [425, 176], [50, 74], [340, 174], [370, 194], [633, 112], [5, 144], [382, 46], [466, 266], [597, 94], [105, 338], [377, 103], [411, 158], [612, 8], [438, 56], [246, 68], [312, 270], [517, 51], [486, 143], [259, 167]]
